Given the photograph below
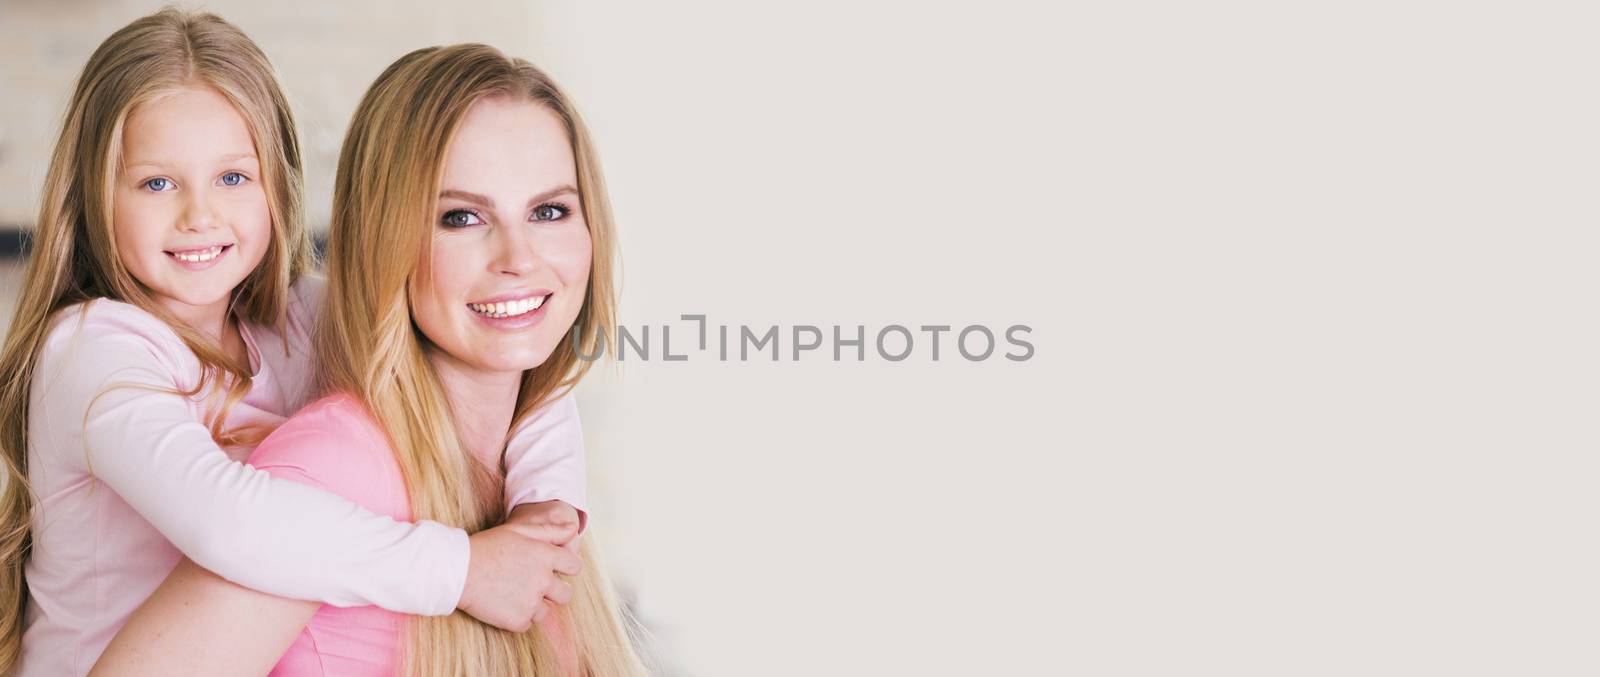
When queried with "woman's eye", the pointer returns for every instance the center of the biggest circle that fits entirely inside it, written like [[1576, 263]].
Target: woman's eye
[[460, 218], [232, 179], [157, 184], [550, 212]]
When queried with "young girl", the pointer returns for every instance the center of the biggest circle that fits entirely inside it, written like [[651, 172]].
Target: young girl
[[476, 169], [162, 329]]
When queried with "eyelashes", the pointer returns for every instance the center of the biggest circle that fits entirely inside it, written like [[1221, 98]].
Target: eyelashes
[[551, 211], [466, 218], [162, 184], [461, 218]]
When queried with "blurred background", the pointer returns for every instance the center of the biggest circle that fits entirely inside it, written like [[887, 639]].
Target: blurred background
[[1311, 286]]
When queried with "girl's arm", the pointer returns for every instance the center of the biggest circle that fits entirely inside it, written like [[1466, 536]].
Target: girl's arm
[[544, 463], [112, 380]]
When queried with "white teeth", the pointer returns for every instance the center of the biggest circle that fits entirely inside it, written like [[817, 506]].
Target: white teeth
[[199, 256], [508, 308]]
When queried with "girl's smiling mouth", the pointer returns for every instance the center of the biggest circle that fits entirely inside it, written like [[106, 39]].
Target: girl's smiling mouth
[[198, 258]]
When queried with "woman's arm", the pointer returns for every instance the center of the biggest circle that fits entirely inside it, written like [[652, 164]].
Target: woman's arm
[[192, 622], [198, 623]]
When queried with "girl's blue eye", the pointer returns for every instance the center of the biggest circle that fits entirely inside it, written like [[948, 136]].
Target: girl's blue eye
[[460, 218], [550, 212], [232, 179], [157, 184]]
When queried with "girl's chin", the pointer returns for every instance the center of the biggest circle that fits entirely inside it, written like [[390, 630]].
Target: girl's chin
[[189, 301]]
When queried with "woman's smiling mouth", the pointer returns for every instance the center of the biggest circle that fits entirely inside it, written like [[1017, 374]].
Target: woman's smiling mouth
[[510, 308], [512, 312]]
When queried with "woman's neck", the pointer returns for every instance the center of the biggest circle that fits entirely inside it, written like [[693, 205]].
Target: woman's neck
[[482, 403]]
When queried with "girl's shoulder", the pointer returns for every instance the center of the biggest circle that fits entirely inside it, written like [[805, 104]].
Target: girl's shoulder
[[103, 314], [103, 329]]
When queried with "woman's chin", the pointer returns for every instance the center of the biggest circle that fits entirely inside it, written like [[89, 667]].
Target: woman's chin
[[510, 360]]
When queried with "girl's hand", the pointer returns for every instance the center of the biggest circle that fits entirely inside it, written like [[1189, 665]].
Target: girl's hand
[[552, 521], [510, 575]]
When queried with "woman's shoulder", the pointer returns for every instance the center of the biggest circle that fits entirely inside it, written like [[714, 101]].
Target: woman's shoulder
[[337, 421], [335, 444]]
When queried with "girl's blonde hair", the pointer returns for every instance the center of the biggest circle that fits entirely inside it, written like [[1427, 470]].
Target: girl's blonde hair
[[384, 198], [74, 250]]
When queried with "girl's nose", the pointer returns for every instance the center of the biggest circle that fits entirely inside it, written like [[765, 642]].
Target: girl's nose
[[198, 214]]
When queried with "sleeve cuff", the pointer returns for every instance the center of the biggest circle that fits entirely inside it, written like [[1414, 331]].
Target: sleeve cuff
[[455, 561]]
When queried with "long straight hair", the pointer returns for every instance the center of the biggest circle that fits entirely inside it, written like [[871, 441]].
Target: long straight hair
[[366, 343], [74, 249]]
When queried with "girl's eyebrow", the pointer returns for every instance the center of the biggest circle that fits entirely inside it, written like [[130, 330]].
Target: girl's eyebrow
[[486, 202], [231, 157]]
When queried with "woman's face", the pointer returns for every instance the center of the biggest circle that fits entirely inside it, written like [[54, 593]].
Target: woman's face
[[506, 273]]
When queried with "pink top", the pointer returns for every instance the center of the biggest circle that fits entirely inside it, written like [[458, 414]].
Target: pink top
[[334, 445], [128, 480]]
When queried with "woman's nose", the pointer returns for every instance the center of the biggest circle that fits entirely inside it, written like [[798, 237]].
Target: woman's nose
[[516, 254]]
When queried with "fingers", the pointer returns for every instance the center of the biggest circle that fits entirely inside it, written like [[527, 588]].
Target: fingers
[[560, 592], [540, 610], [568, 562], [555, 534]]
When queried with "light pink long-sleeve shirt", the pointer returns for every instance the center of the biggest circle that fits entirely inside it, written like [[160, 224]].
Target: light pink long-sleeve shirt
[[128, 480]]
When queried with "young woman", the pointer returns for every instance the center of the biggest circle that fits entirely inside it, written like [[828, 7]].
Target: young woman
[[471, 231], [162, 328]]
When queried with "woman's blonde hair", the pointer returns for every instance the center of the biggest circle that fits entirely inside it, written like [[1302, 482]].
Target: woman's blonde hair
[[366, 343], [74, 257]]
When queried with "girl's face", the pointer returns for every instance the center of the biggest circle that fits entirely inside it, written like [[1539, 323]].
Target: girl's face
[[188, 209], [509, 263]]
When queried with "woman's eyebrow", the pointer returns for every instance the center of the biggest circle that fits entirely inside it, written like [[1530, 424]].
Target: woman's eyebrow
[[486, 202], [480, 200], [558, 190]]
